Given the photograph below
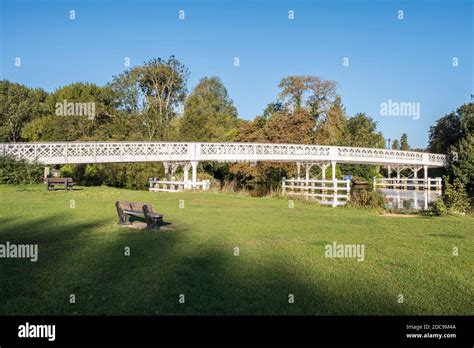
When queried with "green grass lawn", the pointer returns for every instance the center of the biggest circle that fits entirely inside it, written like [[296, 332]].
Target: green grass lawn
[[81, 252]]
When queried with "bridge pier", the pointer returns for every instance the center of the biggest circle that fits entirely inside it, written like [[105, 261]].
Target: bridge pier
[[425, 176], [194, 165], [166, 165], [186, 167], [334, 183]]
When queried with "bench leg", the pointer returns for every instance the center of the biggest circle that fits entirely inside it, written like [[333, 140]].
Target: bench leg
[[126, 219]]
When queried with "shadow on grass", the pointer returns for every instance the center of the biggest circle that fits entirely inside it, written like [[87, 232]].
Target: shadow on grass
[[79, 259]]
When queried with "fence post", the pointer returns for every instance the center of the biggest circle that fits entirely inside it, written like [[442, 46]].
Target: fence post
[[283, 186]]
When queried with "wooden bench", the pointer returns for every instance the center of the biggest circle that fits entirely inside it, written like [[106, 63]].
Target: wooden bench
[[50, 183], [125, 210]]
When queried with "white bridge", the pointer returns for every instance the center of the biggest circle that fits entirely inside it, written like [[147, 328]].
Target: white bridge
[[187, 155]]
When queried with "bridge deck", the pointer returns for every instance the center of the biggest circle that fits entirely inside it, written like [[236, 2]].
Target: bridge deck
[[108, 152]]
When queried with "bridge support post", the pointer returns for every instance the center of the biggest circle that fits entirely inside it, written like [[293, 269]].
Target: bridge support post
[[323, 166], [194, 165], [334, 183], [415, 171], [166, 165], [425, 177], [186, 174], [398, 169], [298, 170], [174, 167], [309, 165], [389, 169]]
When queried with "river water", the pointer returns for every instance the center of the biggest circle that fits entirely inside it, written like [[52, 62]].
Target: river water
[[400, 200], [407, 200]]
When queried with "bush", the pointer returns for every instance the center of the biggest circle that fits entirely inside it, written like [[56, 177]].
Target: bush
[[19, 172], [439, 208], [128, 175], [367, 199], [454, 200]]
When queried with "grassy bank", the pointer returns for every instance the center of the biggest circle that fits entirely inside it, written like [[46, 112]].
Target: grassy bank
[[81, 252]]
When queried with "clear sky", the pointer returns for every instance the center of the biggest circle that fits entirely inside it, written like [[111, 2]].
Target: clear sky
[[404, 60]]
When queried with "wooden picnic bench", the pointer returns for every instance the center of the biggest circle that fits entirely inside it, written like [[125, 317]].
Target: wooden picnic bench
[[50, 183], [125, 210]]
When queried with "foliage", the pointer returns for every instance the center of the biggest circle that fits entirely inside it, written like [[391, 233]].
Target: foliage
[[281, 127], [19, 172], [404, 142], [367, 199], [56, 127], [144, 102], [312, 92], [332, 130], [152, 93], [396, 145], [127, 175], [454, 200], [362, 131], [462, 164], [445, 133], [453, 134], [18, 105], [209, 113], [438, 208]]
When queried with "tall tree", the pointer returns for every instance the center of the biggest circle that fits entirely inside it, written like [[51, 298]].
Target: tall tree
[[311, 92], [453, 134], [462, 163], [445, 133], [209, 113], [153, 93], [332, 130], [18, 105], [65, 118], [404, 142], [362, 131], [396, 145]]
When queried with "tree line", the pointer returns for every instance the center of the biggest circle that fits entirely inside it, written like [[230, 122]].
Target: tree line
[[151, 102]]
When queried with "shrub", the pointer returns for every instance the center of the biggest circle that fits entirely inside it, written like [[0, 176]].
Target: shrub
[[67, 170], [454, 200], [439, 208], [367, 199], [19, 172]]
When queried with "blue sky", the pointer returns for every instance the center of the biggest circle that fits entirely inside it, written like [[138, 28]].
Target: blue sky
[[407, 60]]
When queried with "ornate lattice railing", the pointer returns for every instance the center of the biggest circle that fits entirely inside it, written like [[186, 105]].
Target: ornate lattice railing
[[103, 152]]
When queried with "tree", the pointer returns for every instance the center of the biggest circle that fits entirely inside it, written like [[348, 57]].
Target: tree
[[74, 112], [332, 130], [295, 128], [209, 113], [18, 105], [311, 92], [152, 93], [404, 142], [271, 109], [362, 132], [292, 90], [453, 135], [282, 127], [445, 133], [396, 145], [462, 163]]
